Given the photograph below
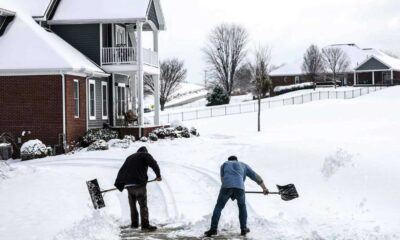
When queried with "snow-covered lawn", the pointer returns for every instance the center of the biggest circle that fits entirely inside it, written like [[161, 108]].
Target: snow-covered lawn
[[343, 156]]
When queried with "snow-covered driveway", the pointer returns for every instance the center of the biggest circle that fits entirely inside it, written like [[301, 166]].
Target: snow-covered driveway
[[343, 157]]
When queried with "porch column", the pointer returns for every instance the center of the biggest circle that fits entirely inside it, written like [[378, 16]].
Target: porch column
[[392, 76], [156, 79], [355, 78], [373, 78], [140, 74]]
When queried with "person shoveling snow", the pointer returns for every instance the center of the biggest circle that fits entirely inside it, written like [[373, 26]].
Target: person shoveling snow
[[233, 175], [133, 177]]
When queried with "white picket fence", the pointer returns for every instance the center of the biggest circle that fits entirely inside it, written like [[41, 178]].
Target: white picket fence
[[248, 107]]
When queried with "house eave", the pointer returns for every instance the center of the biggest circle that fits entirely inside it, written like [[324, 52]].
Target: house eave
[[4, 12], [91, 21], [39, 72]]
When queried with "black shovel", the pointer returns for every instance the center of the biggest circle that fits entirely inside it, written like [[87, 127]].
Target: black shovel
[[96, 194], [287, 192]]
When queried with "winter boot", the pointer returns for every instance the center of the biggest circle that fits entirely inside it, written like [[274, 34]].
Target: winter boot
[[135, 226], [244, 231], [149, 228], [211, 232]]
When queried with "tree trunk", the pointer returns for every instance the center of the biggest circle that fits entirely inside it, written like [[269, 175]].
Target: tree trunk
[[259, 113], [162, 105]]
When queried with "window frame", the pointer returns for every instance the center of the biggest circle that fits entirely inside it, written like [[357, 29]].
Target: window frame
[[119, 103], [77, 109], [92, 117], [104, 106]]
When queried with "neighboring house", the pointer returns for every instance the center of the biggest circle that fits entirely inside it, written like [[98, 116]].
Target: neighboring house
[[368, 66], [71, 65]]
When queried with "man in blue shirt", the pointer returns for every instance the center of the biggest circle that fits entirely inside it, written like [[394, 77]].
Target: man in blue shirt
[[233, 175]]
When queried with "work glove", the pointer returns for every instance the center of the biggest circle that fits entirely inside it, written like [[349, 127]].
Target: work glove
[[266, 191], [159, 179]]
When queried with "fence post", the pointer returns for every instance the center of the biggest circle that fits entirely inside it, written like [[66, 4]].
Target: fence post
[[269, 104], [182, 116], [197, 114], [352, 93], [240, 108], [311, 98], [336, 94], [360, 92], [225, 110], [283, 102], [302, 99], [254, 106], [168, 118], [211, 112], [292, 100]]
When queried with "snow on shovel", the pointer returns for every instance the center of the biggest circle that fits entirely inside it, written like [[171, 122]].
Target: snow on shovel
[[96, 194], [287, 192]]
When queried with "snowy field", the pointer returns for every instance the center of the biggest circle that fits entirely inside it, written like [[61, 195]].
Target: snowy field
[[343, 156]]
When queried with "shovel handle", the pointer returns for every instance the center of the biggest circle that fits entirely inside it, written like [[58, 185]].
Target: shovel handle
[[278, 193], [114, 189]]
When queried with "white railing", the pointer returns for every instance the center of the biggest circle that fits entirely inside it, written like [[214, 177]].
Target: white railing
[[121, 55], [116, 55], [150, 57], [248, 107]]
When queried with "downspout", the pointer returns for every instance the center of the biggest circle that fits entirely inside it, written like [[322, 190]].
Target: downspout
[[87, 102], [64, 112]]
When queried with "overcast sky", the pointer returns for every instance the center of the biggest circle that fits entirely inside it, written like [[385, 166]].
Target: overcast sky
[[288, 27]]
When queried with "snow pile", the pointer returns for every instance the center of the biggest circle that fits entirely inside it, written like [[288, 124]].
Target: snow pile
[[34, 149], [294, 87], [99, 145], [334, 163]]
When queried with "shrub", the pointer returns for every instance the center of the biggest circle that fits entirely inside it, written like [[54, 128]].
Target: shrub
[[99, 145], [153, 137], [144, 139], [94, 135], [33, 149], [160, 132], [290, 88], [194, 131], [218, 96]]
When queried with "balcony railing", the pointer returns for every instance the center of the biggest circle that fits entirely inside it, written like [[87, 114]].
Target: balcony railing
[[127, 55]]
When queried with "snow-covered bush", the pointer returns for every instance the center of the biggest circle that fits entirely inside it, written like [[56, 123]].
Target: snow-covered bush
[[33, 149], [98, 134], [194, 131], [118, 143], [153, 137], [218, 96], [144, 139], [285, 89], [99, 145], [176, 123], [130, 138], [160, 132], [185, 133]]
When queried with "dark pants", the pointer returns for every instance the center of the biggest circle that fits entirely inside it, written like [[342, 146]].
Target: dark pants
[[138, 194], [224, 195]]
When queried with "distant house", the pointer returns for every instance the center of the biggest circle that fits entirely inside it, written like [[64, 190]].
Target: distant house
[[67, 66], [368, 66]]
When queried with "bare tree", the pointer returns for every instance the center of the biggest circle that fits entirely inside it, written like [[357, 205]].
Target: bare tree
[[225, 52], [172, 73], [261, 80], [313, 62], [336, 60]]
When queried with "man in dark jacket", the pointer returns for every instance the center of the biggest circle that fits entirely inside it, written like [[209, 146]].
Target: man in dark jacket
[[233, 175], [133, 177]]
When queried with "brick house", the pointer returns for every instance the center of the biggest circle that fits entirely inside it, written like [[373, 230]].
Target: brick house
[[365, 64], [67, 66]]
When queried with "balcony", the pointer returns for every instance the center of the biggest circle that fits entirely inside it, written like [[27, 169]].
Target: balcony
[[127, 55]]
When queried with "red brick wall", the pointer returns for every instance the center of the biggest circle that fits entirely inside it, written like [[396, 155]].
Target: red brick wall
[[76, 127], [32, 103]]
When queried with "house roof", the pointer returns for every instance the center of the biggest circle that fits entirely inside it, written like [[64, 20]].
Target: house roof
[[108, 11], [28, 48], [36, 8], [390, 62], [356, 56]]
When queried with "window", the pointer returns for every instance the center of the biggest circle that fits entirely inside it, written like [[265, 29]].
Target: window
[[297, 79], [120, 36], [76, 98], [92, 99], [121, 100], [104, 102]]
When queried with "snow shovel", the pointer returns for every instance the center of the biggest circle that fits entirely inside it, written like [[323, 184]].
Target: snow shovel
[[96, 194], [287, 192]]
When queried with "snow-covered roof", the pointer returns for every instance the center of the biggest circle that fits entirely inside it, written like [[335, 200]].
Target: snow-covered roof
[[36, 8], [88, 11], [390, 62], [26, 47], [355, 54]]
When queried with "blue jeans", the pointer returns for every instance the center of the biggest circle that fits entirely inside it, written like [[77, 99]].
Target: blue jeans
[[224, 195]]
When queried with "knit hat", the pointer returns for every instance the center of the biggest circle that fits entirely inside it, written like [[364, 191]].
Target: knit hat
[[232, 158], [142, 150]]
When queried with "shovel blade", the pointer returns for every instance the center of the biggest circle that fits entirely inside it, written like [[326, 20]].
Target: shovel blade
[[288, 192], [95, 194]]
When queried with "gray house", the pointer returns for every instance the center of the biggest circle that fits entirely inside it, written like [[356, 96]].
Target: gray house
[[84, 60]]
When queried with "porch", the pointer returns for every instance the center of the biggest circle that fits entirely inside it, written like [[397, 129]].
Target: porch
[[128, 55]]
